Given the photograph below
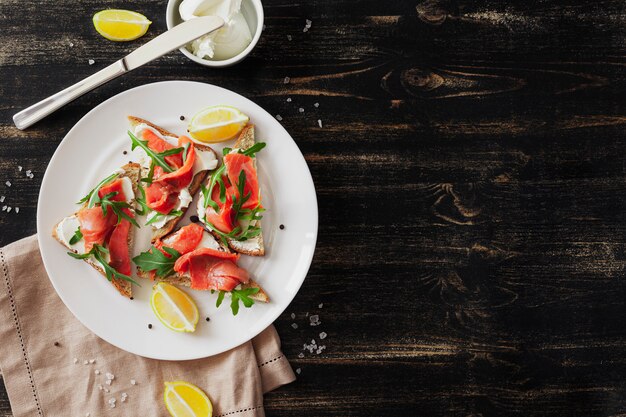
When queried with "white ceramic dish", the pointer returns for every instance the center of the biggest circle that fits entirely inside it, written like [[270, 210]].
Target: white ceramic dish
[[94, 147], [252, 11]]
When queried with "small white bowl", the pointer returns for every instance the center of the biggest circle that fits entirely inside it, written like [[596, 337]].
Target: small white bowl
[[252, 11]]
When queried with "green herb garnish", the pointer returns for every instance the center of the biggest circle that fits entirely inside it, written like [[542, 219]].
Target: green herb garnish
[[93, 194], [158, 216], [155, 260], [78, 235], [158, 158], [99, 253], [117, 207], [237, 296]]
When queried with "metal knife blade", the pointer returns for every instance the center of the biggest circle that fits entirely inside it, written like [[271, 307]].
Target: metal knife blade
[[159, 46]]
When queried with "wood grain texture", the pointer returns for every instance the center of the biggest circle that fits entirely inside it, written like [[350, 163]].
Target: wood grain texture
[[470, 174]]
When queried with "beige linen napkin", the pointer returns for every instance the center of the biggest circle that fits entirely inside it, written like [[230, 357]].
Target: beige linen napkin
[[40, 340]]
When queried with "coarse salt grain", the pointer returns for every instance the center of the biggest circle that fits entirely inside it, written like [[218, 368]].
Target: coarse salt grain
[[294, 325], [108, 382], [288, 37], [124, 396], [308, 22], [110, 376], [319, 122], [97, 372], [323, 335], [8, 183], [2, 199], [106, 390], [85, 362], [288, 99], [9, 209], [301, 110], [75, 359], [87, 415], [321, 305], [17, 209], [315, 320], [91, 62], [133, 382], [298, 371], [301, 355], [28, 172], [92, 360], [293, 315], [279, 117], [4, 208], [20, 168], [316, 104], [71, 44], [286, 80], [100, 387]]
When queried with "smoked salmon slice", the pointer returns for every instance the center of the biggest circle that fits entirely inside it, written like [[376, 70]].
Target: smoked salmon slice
[[212, 269], [95, 225], [235, 163], [113, 187], [185, 240], [118, 246]]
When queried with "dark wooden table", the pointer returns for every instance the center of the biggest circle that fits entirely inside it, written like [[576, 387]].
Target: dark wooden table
[[471, 177]]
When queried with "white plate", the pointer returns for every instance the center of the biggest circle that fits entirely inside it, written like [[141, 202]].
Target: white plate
[[94, 148]]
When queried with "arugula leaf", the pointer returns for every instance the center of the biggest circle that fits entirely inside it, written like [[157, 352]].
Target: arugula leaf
[[252, 150], [141, 200], [169, 152], [237, 296], [159, 159], [92, 195], [157, 216], [78, 235], [149, 178], [99, 252], [185, 150], [117, 207], [226, 151], [155, 260], [220, 298]]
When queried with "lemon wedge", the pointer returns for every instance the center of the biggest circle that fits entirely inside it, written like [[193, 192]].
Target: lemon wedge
[[183, 399], [120, 25], [174, 308], [217, 124]]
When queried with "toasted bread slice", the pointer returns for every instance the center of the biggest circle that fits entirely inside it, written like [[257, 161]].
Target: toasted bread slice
[[254, 246], [185, 280], [198, 178], [133, 172]]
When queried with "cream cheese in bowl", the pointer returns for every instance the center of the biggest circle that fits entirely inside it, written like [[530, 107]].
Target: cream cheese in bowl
[[229, 44], [225, 43]]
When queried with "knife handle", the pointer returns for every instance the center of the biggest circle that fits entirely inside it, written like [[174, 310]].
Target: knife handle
[[48, 105]]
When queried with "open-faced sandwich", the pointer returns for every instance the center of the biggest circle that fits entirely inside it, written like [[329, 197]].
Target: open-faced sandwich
[[100, 232], [192, 257], [173, 168], [230, 203]]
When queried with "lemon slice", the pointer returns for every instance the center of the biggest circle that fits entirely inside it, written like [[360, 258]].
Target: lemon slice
[[174, 308], [217, 124], [120, 25], [183, 399]]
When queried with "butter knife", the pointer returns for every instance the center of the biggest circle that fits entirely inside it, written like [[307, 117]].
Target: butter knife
[[172, 39]]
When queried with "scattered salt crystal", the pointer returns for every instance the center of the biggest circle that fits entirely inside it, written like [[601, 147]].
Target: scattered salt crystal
[[100, 387], [323, 335], [315, 320], [298, 371], [75, 359], [85, 362], [279, 117], [106, 390], [316, 104], [108, 382], [263, 27], [92, 360], [321, 305], [97, 372], [307, 314], [110, 376], [133, 382], [91, 62], [319, 122], [301, 355], [286, 80], [19, 168], [9, 209], [8, 183], [4, 208], [31, 176], [288, 99], [124, 396], [294, 325], [301, 110], [17, 209], [293, 315], [309, 23], [2, 199], [88, 414], [288, 37], [71, 44]]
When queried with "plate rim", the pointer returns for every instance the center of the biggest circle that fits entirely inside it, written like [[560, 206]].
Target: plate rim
[[41, 233]]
